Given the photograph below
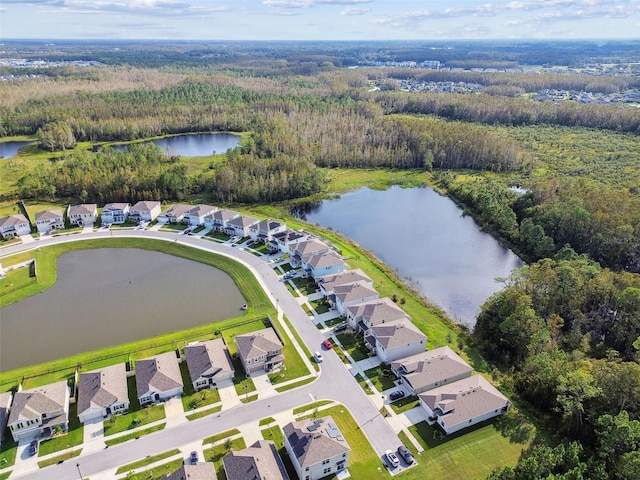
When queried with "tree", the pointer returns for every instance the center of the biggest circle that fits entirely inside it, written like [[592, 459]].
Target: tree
[[56, 136], [574, 389]]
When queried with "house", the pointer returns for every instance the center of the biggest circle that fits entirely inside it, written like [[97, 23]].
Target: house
[[463, 403], [195, 215], [257, 462], [174, 214], [115, 213], [328, 282], [352, 294], [321, 264], [14, 226], [363, 316], [285, 239], [198, 471], [102, 393], [260, 350], [316, 448], [208, 363], [49, 220], [145, 211], [265, 230], [240, 226], [83, 214], [396, 339], [158, 378], [219, 219], [430, 369], [39, 411], [5, 406], [305, 247]]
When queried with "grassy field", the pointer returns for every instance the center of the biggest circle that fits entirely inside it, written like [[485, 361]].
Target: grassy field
[[220, 436], [59, 458], [136, 434], [204, 413], [156, 473], [147, 461], [135, 419], [215, 454]]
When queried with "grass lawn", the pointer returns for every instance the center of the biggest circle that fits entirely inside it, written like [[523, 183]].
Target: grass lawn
[[334, 321], [382, 378], [137, 415], [303, 345], [136, 434], [266, 421], [306, 309], [8, 451], [354, 346], [157, 473], [215, 454], [59, 458], [307, 286], [275, 435], [291, 386], [249, 398], [148, 461], [361, 381], [15, 280], [219, 436], [311, 406], [4, 476], [320, 306], [204, 413], [406, 403], [75, 435], [192, 399]]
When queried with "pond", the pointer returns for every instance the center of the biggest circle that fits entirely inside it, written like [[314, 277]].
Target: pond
[[196, 145], [427, 239], [111, 296], [10, 149]]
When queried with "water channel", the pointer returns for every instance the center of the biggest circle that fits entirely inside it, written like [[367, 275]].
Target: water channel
[[110, 296], [196, 145], [426, 238], [10, 149]]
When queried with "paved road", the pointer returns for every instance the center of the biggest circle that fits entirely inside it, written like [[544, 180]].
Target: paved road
[[334, 383]]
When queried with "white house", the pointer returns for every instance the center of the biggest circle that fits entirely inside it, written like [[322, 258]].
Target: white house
[[240, 225], [310, 246], [264, 230], [430, 369], [115, 213], [49, 220], [219, 219], [352, 294], [145, 211], [14, 226], [39, 411], [462, 404], [5, 406], [208, 363], [328, 282], [287, 238], [174, 214], [102, 393], [195, 216], [259, 461], [83, 214], [260, 350], [363, 316], [316, 448], [396, 339], [158, 378], [321, 264]]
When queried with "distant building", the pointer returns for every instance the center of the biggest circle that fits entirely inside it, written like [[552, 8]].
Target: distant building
[[260, 461]]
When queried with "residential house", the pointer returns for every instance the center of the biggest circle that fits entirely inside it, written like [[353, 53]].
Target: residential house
[[145, 211], [462, 404], [174, 214], [219, 219], [363, 316], [285, 239], [260, 461], [316, 448], [158, 378], [260, 350], [305, 247], [5, 406], [83, 214], [240, 225], [321, 264], [49, 220], [39, 411], [199, 471], [115, 213], [352, 294], [208, 363], [396, 339], [103, 392], [264, 230], [328, 282], [195, 215], [14, 226], [430, 369]]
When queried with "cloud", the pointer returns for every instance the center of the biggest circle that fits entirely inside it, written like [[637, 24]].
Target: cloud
[[310, 3], [354, 11]]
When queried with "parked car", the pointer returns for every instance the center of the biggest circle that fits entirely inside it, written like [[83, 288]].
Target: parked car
[[33, 447], [397, 395], [193, 457], [392, 458], [341, 327], [327, 344], [405, 454], [318, 357]]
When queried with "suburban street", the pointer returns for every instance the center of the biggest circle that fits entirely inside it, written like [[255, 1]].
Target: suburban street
[[335, 382]]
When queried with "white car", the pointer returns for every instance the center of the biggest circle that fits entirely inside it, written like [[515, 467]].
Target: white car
[[318, 357], [392, 458]]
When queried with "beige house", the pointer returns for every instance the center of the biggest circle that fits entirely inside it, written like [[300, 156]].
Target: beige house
[[158, 378], [363, 316], [208, 363], [83, 214], [196, 215], [145, 211], [14, 226], [49, 220], [261, 350], [102, 393], [257, 462]]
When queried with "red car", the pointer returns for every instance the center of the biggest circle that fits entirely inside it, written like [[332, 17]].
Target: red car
[[327, 344]]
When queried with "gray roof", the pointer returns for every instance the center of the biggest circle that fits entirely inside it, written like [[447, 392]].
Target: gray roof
[[289, 235], [13, 220], [5, 402], [396, 333], [177, 210], [115, 206], [201, 209], [32, 403], [199, 471], [102, 388], [158, 374], [325, 259], [329, 282], [258, 343], [242, 221], [83, 209], [267, 225], [207, 358], [313, 441], [377, 311], [353, 291], [260, 461], [310, 246], [145, 205], [464, 400], [436, 364], [224, 215], [49, 214]]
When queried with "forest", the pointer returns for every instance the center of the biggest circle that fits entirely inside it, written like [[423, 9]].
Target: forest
[[563, 335]]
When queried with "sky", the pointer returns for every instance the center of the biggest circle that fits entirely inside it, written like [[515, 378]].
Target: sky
[[319, 19]]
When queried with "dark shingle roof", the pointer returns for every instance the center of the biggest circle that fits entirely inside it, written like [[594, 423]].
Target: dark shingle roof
[[102, 388], [260, 461], [159, 374], [32, 403], [258, 343], [208, 357], [199, 471], [313, 441]]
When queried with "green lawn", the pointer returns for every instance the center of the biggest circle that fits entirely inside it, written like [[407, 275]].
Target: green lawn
[[291, 386], [266, 421], [136, 434], [59, 458], [303, 345], [361, 381], [204, 413], [8, 451], [147, 461], [192, 399], [311, 406], [249, 398], [335, 321], [73, 437], [405, 403], [306, 285], [219, 436], [275, 435], [381, 377], [135, 418], [4, 476], [320, 305], [215, 454], [353, 345], [16, 280], [156, 473]]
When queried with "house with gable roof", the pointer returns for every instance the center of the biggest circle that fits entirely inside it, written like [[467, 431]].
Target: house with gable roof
[[195, 216], [328, 282], [198, 471], [103, 392], [352, 294], [260, 461], [260, 350], [49, 220], [14, 226], [83, 214], [311, 246], [363, 316], [115, 213], [264, 230], [321, 264], [208, 362], [174, 213], [219, 219], [145, 211], [316, 448], [287, 238], [39, 411], [240, 225], [396, 339], [158, 378]]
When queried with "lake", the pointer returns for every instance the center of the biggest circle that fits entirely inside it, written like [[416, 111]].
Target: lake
[[110, 296], [427, 239], [10, 149], [196, 145]]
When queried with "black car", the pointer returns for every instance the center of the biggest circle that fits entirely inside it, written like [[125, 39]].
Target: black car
[[397, 395], [339, 328], [33, 447], [405, 454]]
